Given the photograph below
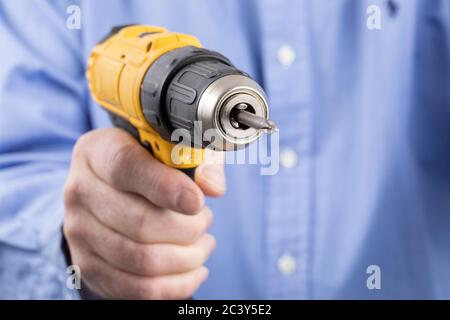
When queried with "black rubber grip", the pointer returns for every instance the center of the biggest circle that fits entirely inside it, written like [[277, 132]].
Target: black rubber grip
[[185, 90], [125, 125], [190, 172], [174, 83]]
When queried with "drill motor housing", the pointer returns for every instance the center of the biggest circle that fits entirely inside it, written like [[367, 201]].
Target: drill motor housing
[[153, 82]]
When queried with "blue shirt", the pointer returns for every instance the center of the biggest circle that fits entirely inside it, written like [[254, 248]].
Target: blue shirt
[[364, 118]]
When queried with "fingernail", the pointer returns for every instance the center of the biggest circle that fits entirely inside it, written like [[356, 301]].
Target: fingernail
[[188, 202], [214, 176]]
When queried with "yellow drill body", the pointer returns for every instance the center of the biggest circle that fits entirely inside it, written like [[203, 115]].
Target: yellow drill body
[[115, 72], [153, 82]]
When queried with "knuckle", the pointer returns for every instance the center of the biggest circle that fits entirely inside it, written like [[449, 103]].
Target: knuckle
[[82, 142], [74, 190], [68, 229], [72, 229]]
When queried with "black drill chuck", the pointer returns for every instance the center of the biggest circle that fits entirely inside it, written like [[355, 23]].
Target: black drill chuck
[[190, 85]]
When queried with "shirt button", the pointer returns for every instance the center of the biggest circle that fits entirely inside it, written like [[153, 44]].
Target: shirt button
[[288, 158], [286, 55], [286, 264]]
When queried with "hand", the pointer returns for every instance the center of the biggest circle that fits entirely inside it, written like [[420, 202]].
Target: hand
[[136, 227]]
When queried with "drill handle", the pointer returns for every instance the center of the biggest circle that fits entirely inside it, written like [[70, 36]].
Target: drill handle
[[190, 172], [123, 124]]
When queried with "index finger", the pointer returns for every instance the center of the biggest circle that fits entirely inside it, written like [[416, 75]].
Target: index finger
[[118, 159]]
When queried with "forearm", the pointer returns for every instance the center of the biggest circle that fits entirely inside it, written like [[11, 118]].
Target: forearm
[[43, 112], [30, 231]]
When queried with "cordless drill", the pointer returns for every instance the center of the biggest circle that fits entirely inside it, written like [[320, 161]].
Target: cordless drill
[[153, 82]]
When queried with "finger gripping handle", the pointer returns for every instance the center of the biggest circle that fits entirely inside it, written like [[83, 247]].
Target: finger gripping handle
[[125, 125]]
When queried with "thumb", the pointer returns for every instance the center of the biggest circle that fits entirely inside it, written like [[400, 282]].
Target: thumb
[[210, 175]]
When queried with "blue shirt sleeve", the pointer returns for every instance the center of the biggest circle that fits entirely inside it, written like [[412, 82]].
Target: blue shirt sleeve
[[42, 107]]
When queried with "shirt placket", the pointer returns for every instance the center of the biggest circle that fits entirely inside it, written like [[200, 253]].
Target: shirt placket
[[287, 76]]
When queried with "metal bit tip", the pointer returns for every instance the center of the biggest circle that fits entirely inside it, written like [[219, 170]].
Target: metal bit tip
[[251, 120], [271, 127]]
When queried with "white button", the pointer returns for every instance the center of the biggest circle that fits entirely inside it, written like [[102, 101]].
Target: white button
[[288, 158], [286, 55], [286, 264]]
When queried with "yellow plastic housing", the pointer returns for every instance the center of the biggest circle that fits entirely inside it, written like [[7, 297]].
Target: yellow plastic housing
[[115, 71]]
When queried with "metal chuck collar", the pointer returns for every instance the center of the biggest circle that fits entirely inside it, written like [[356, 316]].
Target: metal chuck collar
[[234, 107], [200, 93]]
